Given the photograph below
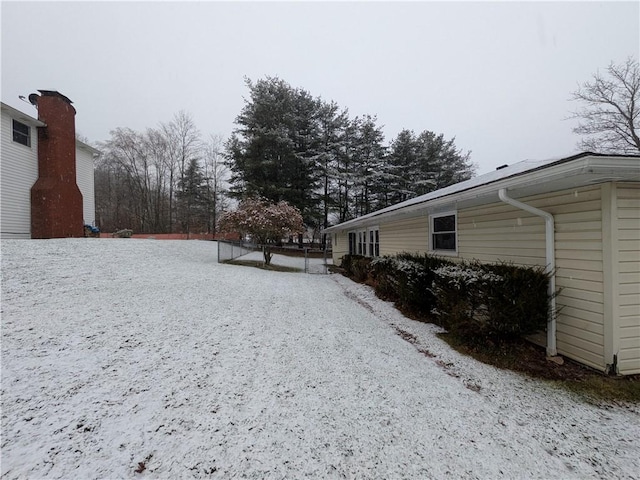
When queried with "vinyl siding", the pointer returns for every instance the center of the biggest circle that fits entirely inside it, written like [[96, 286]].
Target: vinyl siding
[[407, 235], [18, 172], [628, 281], [339, 247], [597, 242], [85, 182], [500, 232]]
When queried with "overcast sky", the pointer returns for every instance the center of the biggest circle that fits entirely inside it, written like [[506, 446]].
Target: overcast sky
[[497, 76]]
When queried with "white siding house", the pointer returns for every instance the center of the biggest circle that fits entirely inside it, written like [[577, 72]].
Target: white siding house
[[579, 216], [19, 171]]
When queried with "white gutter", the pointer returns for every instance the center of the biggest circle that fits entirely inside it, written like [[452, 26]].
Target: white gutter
[[551, 264]]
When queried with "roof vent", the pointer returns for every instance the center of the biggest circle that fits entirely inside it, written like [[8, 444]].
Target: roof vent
[[502, 166]]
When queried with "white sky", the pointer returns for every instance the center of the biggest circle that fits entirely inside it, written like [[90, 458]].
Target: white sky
[[496, 75]]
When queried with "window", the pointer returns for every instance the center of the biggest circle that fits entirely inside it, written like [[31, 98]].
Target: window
[[443, 232], [362, 243], [21, 133], [352, 243], [365, 242], [374, 242]]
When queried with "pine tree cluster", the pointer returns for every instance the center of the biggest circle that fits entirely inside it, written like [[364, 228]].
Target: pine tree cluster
[[289, 145]]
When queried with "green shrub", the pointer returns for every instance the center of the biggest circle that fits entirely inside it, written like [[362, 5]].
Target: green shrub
[[478, 303], [461, 306], [406, 279], [519, 303], [491, 303], [356, 266]]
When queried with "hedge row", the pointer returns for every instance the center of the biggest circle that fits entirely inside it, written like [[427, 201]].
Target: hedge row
[[476, 302]]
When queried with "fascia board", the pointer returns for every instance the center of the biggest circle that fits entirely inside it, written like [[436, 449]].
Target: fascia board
[[88, 148], [22, 117]]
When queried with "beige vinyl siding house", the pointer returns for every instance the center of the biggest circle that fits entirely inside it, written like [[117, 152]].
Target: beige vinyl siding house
[[627, 309], [595, 204], [19, 171], [404, 235]]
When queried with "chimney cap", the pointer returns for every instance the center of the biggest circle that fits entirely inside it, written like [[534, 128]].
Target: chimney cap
[[54, 93]]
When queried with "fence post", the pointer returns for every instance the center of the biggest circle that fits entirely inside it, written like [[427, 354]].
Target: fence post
[[324, 258]]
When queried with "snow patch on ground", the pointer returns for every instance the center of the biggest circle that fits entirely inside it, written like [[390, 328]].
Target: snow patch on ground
[[145, 358]]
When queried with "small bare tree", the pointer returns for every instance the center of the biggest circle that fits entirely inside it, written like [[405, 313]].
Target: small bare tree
[[610, 117], [215, 172]]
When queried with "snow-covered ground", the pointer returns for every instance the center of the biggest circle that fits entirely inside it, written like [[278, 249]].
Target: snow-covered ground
[[121, 355]]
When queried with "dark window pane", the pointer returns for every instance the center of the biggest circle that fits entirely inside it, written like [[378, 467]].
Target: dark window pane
[[444, 224], [21, 133], [352, 243], [444, 241]]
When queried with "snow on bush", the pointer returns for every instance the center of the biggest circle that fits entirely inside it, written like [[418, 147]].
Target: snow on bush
[[476, 302], [460, 276]]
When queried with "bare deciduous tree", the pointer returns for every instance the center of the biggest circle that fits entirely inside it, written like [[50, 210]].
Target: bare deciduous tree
[[182, 145], [610, 116], [215, 175]]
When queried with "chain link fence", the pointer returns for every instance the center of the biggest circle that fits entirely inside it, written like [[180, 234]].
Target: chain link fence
[[304, 260], [228, 250]]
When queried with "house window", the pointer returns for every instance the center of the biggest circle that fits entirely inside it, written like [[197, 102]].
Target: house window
[[365, 242], [362, 243], [374, 242], [21, 133], [443, 232], [352, 243]]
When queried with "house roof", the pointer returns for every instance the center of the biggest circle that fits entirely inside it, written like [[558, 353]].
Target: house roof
[[34, 122], [22, 117], [88, 148], [528, 177]]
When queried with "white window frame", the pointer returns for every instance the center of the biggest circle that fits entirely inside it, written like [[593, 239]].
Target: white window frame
[[373, 241], [363, 244], [21, 134], [450, 252]]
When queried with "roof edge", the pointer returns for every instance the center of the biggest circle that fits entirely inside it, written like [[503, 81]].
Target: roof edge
[[20, 115], [460, 189]]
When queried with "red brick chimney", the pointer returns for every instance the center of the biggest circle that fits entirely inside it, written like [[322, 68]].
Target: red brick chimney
[[56, 201]]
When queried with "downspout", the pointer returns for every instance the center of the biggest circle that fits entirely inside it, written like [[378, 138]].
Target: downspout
[[551, 263]]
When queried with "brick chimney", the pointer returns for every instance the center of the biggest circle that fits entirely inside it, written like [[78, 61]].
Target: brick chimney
[[56, 201]]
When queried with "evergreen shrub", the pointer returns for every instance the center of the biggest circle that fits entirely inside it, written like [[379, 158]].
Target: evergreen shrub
[[496, 303], [406, 279], [356, 266], [478, 303]]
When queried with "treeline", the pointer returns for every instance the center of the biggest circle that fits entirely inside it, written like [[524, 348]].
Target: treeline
[[287, 145], [164, 180]]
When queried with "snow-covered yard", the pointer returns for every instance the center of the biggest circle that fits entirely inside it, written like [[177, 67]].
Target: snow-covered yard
[[139, 355]]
